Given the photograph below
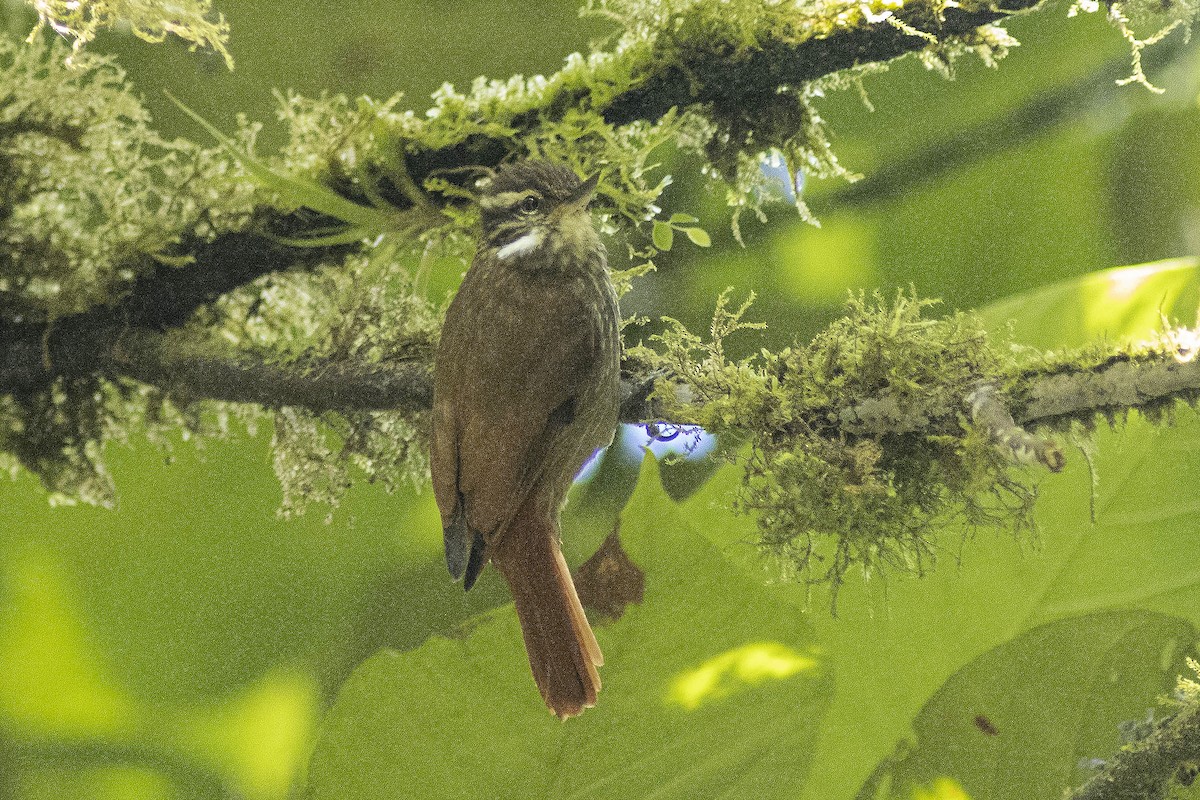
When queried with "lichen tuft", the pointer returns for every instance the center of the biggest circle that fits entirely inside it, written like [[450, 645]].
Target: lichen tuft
[[90, 196], [194, 21]]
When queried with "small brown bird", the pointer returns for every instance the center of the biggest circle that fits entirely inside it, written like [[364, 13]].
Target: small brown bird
[[526, 383]]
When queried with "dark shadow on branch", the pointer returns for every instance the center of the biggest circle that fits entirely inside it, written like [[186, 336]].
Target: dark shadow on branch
[[33, 354], [1038, 115]]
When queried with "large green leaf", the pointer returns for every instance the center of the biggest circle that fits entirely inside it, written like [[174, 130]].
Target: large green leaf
[[1024, 719], [713, 688], [894, 644], [1124, 304]]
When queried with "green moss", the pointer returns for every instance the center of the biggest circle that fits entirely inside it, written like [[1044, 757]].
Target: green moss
[[858, 447], [563, 116]]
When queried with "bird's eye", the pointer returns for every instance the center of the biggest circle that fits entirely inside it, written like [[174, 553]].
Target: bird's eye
[[529, 204]]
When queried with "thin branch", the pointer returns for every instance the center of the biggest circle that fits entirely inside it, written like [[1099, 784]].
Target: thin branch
[[1035, 117], [750, 83], [318, 387]]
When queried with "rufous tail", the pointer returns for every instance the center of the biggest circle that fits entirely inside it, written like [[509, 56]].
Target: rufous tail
[[563, 652]]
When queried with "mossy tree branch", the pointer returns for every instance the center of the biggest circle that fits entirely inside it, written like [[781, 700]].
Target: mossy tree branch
[[707, 78], [1159, 755], [1053, 396], [33, 354], [747, 85]]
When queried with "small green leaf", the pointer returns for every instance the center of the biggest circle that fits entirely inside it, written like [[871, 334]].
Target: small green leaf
[[297, 190], [699, 236], [682, 219], [663, 236], [345, 236]]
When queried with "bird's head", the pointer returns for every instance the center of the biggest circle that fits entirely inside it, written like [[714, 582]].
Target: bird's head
[[535, 216]]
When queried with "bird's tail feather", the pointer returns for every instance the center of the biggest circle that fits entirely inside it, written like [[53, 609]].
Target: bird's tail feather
[[563, 652]]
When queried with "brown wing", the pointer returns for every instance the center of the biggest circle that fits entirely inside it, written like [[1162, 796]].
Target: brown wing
[[514, 355]]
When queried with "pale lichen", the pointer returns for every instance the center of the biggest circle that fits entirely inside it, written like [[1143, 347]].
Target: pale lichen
[[194, 21], [364, 310], [90, 196], [91, 199]]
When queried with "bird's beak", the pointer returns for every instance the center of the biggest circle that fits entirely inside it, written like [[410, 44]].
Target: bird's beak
[[582, 196]]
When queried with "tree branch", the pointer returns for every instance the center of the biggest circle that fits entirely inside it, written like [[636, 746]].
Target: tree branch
[[1121, 384], [317, 387], [32, 354], [777, 63], [750, 83]]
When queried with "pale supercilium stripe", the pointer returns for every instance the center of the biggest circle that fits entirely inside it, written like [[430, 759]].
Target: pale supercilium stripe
[[505, 199]]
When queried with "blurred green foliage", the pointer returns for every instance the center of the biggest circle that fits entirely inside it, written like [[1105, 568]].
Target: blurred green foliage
[[189, 643]]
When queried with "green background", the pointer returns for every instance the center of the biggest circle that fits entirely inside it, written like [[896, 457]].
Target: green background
[[191, 644]]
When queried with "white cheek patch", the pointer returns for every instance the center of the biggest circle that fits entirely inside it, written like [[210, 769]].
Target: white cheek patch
[[521, 245]]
